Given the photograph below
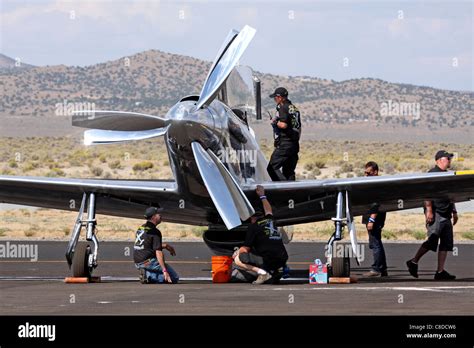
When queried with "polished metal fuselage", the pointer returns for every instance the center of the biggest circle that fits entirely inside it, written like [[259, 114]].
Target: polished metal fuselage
[[218, 128]]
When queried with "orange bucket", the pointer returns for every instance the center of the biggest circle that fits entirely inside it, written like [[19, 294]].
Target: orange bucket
[[221, 269]]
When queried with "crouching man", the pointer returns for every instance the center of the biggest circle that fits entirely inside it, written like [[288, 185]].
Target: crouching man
[[148, 251], [263, 251]]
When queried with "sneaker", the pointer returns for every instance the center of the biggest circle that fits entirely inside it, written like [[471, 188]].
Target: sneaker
[[444, 276], [142, 276], [384, 274], [412, 268], [262, 278], [372, 273]]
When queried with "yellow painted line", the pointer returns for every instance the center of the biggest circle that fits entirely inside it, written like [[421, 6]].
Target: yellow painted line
[[465, 172]]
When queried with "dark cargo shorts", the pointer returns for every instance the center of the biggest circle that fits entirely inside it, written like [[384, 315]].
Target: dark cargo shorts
[[269, 265], [440, 230], [251, 259]]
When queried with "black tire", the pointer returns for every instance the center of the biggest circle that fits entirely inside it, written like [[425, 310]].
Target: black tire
[[340, 264], [80, 267], [340, 267], [223, 242]]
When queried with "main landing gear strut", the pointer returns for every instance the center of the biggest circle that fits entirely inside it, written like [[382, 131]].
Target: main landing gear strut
[[338, 253], [82, 256]]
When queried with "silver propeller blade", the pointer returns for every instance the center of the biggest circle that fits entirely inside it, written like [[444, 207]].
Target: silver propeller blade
[[232, 51], [228, 40], [117, 120], [241, 201], [216, 186], [97, 136]]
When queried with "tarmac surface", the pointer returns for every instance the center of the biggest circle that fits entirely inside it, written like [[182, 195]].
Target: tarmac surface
[[38, 288]]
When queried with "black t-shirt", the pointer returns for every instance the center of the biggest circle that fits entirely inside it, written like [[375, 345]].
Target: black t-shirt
[[379, 220], [289, 114], [443, 207], [147, 241], [265, 240]]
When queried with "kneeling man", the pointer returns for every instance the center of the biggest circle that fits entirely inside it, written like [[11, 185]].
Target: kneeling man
[[148, 251], [263, 251]]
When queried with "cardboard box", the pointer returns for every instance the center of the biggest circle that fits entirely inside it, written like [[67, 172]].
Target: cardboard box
[[318, 273]]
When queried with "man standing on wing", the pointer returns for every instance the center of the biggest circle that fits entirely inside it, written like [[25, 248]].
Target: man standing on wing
[[287, 131]]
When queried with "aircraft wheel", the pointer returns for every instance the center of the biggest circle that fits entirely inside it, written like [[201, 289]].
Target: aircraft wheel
[[340, 265], [80, 262]]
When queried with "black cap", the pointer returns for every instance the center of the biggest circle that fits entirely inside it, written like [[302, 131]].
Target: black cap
[[150, 211], [280, 91], [443, 153]]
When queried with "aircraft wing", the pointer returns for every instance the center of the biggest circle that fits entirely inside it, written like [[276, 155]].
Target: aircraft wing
[[126, 198], [315, 200], [293, 202]]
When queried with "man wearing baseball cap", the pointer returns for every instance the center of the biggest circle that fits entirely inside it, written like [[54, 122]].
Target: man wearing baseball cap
[[148, 251], [287, 129], [438, 213]]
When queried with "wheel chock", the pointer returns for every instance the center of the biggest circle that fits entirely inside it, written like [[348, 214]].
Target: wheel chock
[[342, 280]]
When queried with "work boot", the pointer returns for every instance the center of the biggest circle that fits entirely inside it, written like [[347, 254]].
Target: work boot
[[262, 278], [444, 276], [412, 268], [372, 273]]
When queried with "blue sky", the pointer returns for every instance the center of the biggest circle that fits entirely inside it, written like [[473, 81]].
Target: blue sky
[[426, 43]]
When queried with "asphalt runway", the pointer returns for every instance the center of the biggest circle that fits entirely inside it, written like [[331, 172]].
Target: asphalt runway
[[37, 287]]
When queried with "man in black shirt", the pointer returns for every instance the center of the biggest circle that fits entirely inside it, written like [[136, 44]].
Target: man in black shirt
[[263, 251], [374, 221], [287, 131], [438, 215], [148, 251]]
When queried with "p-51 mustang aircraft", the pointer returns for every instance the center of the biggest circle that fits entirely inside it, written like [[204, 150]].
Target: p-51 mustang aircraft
[[211, 188]]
